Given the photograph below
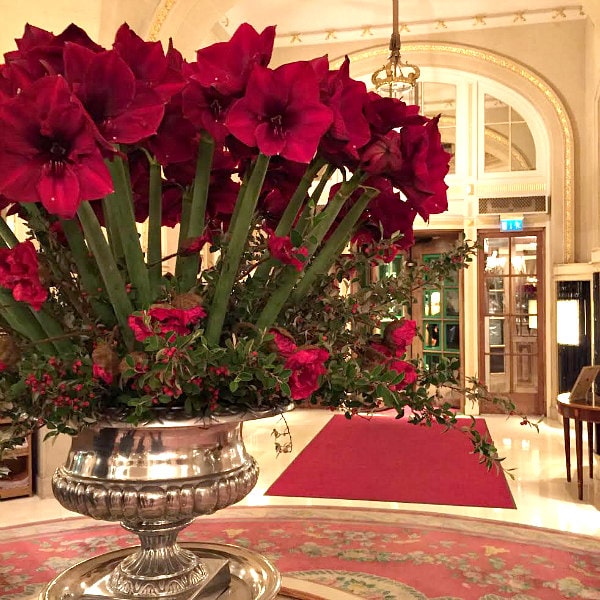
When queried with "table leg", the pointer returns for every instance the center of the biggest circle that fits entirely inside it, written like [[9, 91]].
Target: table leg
[[566, 425], [579, 453], [590, 428]]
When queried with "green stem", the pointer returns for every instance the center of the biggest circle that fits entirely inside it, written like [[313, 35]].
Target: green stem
[[89, 279], [35, 325], [113, 232], [290, 275], [291, 211], [303, 220], [287, 279], [238, 234], [19, 318], [334, 245], [121, 206], [197, 217], [262, 273], [154, 227], [186, 211], [326, 218], [108, 269]]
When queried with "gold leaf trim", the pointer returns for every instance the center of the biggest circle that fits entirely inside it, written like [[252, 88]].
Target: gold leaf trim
[[160, 16]]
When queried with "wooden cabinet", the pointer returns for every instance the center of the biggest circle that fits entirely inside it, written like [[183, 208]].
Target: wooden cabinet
[[19, 481]]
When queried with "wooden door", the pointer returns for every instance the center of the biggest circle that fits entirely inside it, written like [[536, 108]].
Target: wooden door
[[511, 318]]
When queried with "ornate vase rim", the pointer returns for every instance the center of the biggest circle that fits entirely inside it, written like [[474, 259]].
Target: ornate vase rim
[[174, 418]]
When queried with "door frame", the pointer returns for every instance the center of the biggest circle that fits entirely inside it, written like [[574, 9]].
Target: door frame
[[539, 407]]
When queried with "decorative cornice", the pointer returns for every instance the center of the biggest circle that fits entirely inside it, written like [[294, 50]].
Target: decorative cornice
[[422, 27], [159, 17], [526, 75]]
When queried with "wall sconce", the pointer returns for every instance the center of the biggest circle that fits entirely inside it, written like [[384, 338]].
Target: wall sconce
[[567, 322]]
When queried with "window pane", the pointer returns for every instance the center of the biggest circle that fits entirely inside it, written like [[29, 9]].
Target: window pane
[[440, 99], [494, 295], [496, 111], [496, 256], [452, 336], [508, 143], [497, 146], [522, 148]]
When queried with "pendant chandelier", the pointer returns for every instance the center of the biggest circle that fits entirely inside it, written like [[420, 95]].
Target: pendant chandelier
[[395, 77]]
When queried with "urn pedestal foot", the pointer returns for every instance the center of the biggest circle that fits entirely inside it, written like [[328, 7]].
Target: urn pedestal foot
[[251, 576]]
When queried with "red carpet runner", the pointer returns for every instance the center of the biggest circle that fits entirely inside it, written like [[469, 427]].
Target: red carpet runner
[[389, 460]]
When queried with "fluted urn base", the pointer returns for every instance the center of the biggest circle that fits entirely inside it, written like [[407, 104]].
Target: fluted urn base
[[155, 480], [252, 577]]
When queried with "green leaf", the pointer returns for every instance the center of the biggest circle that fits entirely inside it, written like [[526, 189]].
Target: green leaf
[[296, 239]]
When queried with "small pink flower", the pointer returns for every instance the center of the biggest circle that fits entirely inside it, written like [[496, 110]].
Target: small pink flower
[[281, 248], [306, 364], [284, 343], [410, 374], [19, 272], [399, 334], [101, 373]]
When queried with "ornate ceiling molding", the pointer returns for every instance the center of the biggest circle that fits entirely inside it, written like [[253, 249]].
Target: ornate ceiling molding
[[420, 28]]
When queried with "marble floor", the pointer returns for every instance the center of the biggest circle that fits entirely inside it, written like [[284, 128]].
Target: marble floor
[[541, 492]]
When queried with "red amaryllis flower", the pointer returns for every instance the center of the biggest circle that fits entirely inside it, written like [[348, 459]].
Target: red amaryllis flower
[[19, 272], [225, 66], [350, 129], [387, 215], [48, 150], [40, 53], [399, 334], [176, 140], [281, 248], [152, 69], [410, 374], [425, 166], [194, 245], [306, 364], [123, 111], [385, 114], [383, 156], [219, 77], [281, 113]]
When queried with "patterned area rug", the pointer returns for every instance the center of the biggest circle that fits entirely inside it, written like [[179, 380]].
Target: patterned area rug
[[374, 554]]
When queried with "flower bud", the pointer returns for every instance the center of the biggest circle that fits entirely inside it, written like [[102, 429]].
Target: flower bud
[[10, 353], [186, 301], [105, 357]]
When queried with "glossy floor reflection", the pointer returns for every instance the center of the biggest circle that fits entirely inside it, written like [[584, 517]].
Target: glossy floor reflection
[[541, 492]]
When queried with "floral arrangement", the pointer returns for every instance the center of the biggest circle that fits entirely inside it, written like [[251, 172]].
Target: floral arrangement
[[282, 185]]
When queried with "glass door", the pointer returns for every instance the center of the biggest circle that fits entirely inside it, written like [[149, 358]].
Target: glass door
[[511, 318]]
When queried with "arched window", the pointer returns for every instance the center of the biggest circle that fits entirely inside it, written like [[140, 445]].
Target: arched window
[[494, 134]]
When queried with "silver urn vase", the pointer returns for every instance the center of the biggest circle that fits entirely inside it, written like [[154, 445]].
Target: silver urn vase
[[155, 479]]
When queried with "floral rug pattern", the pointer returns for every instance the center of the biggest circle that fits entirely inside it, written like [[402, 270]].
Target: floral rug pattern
[[373, 554]]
